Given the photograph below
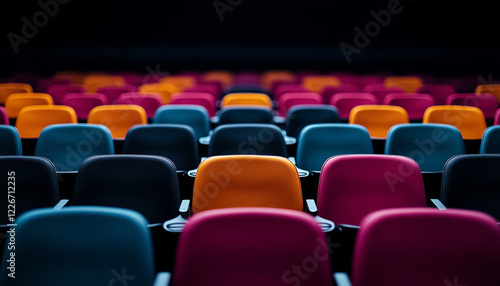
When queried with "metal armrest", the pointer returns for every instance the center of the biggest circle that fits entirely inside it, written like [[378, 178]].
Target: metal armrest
[[206, 140], [175, 225], [60, 204], [342, 279], [439, 205], [302, 173], [162, 279], [279, 119]]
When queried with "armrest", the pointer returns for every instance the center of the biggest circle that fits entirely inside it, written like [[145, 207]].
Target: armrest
[[342, 279], [325, 224], [162, 279], [192, 173], [175, 225], [279, 119], [60, 204], [205, 140], [301, 172], [311, 207], [184, 207], [439, 205]]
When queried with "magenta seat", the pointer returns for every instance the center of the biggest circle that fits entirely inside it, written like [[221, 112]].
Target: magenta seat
[[113, 92], [45, 83], [286, 88], [348, 100], [149, 101], [247, 78], [329, 91], [276, 83], [423, 246], [486, 102], [211, 88], [83, 103], [251, 246], [351, 186], [4, 118], [58, 91], [415, 104], [439, 91], [380, 91], [288, 100], [196, 98]]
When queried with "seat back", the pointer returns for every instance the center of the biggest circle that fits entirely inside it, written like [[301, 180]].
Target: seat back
[[351, 186], [7, 89], [439, 92], [150, 102], [15, 102], [60, 248], [228, 247], [32, 119], [4, 118], [318, 142], [493, 89], [191, 115], [300, 116], [175, 141], [180, 81], [118, 118], [316, 83], [165, 90], [10, 142], [408, 83], [213, 89], [93, 82], [147, 184], [380, 90], [430, 145], [378, 119], [288, 100], [346, 101], [490, 143], [419, 246], [67, 145], [415, 104], [258, 99], [58, 91], [83, 103], [288, 87], [330, 91], [469, 120], [486, 102], [246, 181], [245, 114], [203, 99], [250, 139], [30, 181], [112, 93]]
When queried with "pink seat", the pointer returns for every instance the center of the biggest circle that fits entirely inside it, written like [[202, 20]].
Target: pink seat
[[423, 246], [285, 88], [380, 90], [83, 103], [439, 91], [113, 92], [290, 99], [486, 102], [196, 98], [348, 100], [351, 186], [44, 84], [58, 91], [4, 118], [330, 91], [252, 246], [276, 83], [414, 103], [149, 101], [211, 88]]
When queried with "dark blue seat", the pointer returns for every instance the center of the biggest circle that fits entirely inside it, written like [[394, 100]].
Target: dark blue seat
[[490, 143], [244, 88], [10, 142], [300, 116], [175, 141], [192, 115], [254, 114], [249, 139]]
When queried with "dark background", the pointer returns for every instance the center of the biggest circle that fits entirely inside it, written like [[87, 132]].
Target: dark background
[[438, 37]]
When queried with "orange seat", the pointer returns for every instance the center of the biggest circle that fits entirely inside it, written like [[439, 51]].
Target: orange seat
[[7, 89], [258, 99], [118, 118], [225, 77], [493, 89], [468, 119], [268, 77], [316, 83], [246, 181], [73, 76], [15, 102], [32, 119], [93, 82], [378, 119], [409, 84], [165, 90], [180, 81]]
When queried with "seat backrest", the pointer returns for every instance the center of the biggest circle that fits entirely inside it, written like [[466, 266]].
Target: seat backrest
[[439, 92], [469, 120], [251, 246], [147, 184], [60, 248], [471, 182], [118, 118], [430, 145], [246, 181], [493, 89], [300, 116], [351, 186], [7, 89], [378, 119], [67, 145], [414, 103], [10, 142], [423, 246], [180, 81], [213, 89], [316, 83], [93, 82], [201, 98], [245, 114], [174, 141], [288, 87], [15, 102], [250, 139], [32, 119], [346, 101], [113, 92], [191, 115], [288, 100], [486, 102], [490, 143], [330, 91], [318, 142], [259, 99], [4, 118], [165, 90], [83, 103], [149, 101], [58, 91], [408, 83], [32, 183], [44, 83], [380, 90]]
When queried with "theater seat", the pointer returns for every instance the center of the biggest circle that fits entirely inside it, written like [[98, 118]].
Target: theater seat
[[378, 119], [299, 117], [414, 103], [191, 115], [32, 119], [291, 99], [15, 102], [83, 103], [7, 89], [259, 99], [245, 114], [118, 118], [149, 101], [10, 142], [345, 102], [58, 91]]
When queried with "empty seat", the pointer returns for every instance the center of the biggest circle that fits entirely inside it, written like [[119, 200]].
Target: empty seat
[[7, 89], [246, 99], [224, 77], [206, 100], [17, 101], [288, 87], [493, 89], [245, 114], [490, 143], [118, 118], [318, 142], [378, 119], [414, 103], [211, 88], [288, 100], [58, 91], [32, 119], [380, 91], [271, 76], [112, 93], [409, 84], [299, 117], [191, 115], [330, 91], [93, 82], [149, 101], [316, 83], [10, 142], [174, 141], [4, 118], [439, 92], [45, 83], [486, 102], [165, 90], [469, 120], [146, 184], [246, 181], [345, 102], [252, 246], [83, 103], [67, 145], [180, 81]]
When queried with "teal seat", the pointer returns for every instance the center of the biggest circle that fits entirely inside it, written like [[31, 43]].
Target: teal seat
[[490, 143], [192, 115], [300, 116], [10, 142]]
